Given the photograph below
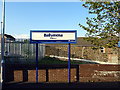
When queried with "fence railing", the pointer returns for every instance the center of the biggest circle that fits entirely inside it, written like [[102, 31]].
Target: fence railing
[[24, 50]]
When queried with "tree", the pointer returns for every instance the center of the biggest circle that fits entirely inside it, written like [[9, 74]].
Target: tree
[[103, 29]]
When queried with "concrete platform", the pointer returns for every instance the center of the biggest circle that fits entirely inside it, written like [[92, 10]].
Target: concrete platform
[[62, 85]]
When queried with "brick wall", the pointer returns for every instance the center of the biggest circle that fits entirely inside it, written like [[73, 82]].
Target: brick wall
[[84, 53], [59, 73]]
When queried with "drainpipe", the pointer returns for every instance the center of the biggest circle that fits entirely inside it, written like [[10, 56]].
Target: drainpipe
[[119, 51], [119, 34]]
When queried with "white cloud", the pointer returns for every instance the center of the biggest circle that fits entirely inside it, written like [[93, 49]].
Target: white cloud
[[21, 36], [41, 0]]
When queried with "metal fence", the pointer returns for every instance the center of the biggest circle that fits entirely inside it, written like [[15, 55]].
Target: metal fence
[[24, 50]]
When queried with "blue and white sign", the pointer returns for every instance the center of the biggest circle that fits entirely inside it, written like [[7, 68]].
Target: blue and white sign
[[118, 43], [66, 36]]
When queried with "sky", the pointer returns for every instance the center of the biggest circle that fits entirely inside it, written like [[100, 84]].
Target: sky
[[21, 17]]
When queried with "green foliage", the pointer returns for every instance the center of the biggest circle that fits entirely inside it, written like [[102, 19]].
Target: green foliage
[[26, 41], [27, 50], [103, 29]]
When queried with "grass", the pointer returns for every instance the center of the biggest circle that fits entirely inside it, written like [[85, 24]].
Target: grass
[[45, 60], [50, 60]]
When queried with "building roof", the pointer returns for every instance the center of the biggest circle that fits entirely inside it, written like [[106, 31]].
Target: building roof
[[80, 42], [8, 37]]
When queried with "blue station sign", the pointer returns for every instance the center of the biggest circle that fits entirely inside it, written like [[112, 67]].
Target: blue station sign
[[119, 44], [58, 36]]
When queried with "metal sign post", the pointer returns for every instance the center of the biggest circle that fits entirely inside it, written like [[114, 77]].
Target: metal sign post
[[48, 36], [69, 63], [36, 62], [119, 44], [3, 46]]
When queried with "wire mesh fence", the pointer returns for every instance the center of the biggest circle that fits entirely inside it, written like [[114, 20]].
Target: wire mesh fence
[[23, 51]]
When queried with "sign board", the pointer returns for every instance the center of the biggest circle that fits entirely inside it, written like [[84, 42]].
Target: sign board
[[118, 43], [40, 36], [43, 36]]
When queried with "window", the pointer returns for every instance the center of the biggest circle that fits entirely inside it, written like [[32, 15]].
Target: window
[[102, 49]]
